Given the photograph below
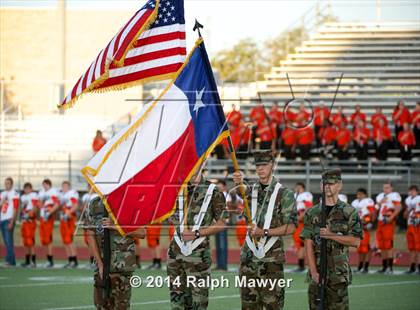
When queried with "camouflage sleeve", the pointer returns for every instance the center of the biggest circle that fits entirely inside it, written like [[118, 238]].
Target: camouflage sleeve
[[87, 218], [355, 227], [218, 204], [288, 213], [308, 229]]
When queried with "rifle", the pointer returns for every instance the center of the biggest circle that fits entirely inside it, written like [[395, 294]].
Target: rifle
[[323, 256], [106, 260]]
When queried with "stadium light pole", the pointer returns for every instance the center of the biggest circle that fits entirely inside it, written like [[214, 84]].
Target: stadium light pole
[[62, 42]]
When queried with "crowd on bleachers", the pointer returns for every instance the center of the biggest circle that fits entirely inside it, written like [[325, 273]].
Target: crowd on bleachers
[[305, 131]]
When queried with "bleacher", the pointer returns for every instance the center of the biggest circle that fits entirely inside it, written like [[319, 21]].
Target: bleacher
[[380, 63]]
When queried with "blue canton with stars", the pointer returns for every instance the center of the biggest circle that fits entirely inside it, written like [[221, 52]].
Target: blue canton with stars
[[170, 12], [197, 82]]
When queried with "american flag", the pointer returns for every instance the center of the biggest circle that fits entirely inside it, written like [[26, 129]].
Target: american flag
[[150, 47]]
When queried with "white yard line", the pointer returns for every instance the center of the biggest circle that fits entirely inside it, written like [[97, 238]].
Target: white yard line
[[156, 302]]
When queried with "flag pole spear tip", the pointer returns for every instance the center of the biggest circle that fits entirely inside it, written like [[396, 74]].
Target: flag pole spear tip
[[197, 27]]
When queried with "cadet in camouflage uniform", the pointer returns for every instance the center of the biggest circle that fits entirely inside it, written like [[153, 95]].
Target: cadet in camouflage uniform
[[284, 222], [197, 264], [343, 230], [123, 258]]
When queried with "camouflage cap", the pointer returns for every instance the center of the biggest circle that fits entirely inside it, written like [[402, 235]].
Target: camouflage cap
[[263, 157], [332, 176]]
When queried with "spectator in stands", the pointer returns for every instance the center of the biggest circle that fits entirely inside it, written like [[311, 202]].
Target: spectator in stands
[[357, 115], [326, 136], [258, 114], [382, 137], [321, 114], [378, 115], [303, 117], [407, 141], [289, 141], [245, 140], [9, 202], [265, 135], [234, 117], [276, 118], [415, 120], [305, 136], [400, 115], [361, 136], [343, 140], [98, 142], [338, 117]]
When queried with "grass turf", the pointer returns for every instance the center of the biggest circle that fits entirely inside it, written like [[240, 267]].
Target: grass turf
[[72, 289]]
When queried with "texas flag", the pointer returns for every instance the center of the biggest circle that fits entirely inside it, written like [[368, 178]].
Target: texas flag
[[140, 171]]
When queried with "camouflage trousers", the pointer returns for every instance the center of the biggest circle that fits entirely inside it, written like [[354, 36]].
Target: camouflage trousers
[[120, 294], [336, 296], [256, 298], [185, 296]]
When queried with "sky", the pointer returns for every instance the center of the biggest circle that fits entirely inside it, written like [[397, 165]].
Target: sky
[[228, 21]]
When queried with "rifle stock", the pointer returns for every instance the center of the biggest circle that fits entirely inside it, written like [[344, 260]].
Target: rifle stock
[[323, 256], [106, 261]]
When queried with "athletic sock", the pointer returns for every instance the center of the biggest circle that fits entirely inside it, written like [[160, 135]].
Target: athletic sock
[[412, 267], [27, 259], [137, 259], [366, 266], [301, 263], [158, 262], [70, 258], [50, 259], [418, 267], [360, 266], [384, 264], [91, 259], [34, 259], [75, 260], [390, 263]]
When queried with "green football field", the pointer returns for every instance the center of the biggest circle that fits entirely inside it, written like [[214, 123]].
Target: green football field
[[72, 289]]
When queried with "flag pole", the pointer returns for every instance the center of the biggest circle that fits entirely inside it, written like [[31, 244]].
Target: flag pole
[[232, 152]]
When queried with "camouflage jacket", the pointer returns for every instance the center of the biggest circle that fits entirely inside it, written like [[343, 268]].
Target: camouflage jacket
[[123, 259], [284, 212], [342, 219], [194, 200]]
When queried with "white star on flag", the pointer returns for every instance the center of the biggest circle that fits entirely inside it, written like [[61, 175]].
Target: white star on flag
[[198, 102]]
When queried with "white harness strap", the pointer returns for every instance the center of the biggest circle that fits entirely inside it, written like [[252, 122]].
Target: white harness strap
[[188, 247], [265, 243]]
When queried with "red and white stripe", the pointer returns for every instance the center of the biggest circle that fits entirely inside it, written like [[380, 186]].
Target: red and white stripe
[[113, 51]]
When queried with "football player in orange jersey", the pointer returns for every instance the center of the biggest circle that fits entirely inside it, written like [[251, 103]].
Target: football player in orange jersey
[[304, 201], [153, 242], [412, 214], [29, 209], [388, 205], [69, 205], [49, 204], [365, 207]]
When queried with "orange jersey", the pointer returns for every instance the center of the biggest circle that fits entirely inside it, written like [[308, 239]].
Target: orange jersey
[[401, 116], [288, 136], [257, 114], [98, 143], [406, 138], [381, 134], [356, 117], [415, 118], [343, 136], [276, 116], [361, 135], [338, 118], [327, 134], [375, 119], [320, 115], [305, 135], [234, 117], [264, 132]]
